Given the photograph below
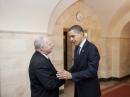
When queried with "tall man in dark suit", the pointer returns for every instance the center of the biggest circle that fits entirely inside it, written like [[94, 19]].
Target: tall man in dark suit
[[85, 67], [43, 80]]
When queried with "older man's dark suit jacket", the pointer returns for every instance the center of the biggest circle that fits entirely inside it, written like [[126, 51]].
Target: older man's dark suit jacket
[[84, 71], [43, 80]]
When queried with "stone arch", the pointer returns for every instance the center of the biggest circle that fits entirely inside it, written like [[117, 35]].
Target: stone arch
[[125, 51], [115, 35], [116, 28], [119, 20], [58, 10], [87, 19]]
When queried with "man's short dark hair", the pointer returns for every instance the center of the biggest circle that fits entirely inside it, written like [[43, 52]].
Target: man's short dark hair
[[77, 29]]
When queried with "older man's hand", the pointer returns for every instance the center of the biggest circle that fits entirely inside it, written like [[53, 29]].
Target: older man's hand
[[64, 74]]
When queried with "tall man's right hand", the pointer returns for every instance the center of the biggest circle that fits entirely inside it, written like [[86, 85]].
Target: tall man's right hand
[[64, 74]]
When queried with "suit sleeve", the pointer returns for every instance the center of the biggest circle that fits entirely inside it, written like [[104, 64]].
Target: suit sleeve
[[92, 66], [72, 68], [48, 78]]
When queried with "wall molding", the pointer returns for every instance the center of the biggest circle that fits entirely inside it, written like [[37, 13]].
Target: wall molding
[[114, 78], [22, 32]]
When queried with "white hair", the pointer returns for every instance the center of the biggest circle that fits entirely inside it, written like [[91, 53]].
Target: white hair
[[40, 42]]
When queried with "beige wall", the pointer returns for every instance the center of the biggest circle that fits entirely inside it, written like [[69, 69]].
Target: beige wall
[[26, 15], [15, 52]]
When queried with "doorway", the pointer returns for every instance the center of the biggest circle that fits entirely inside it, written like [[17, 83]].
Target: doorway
[[68, 50], [65, 49]]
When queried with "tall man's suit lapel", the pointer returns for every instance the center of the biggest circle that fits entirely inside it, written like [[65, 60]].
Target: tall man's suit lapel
[[82, 52], [78, 59]]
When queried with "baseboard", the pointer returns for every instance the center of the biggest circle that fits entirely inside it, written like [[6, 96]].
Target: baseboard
[[61, 91], [114, 78]]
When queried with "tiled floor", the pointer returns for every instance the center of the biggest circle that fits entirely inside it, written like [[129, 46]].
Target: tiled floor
[[69, 87]]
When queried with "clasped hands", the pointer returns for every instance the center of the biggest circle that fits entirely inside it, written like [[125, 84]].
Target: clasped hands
[[63, 74]]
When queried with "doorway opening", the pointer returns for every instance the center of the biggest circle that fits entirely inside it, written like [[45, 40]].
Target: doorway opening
[[65, 49], [68, 50]]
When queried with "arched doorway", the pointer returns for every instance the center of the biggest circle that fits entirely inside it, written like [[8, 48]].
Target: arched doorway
[[125, 51]]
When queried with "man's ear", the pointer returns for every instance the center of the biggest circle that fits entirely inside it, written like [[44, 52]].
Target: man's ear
[[41, 49], [82, 33]]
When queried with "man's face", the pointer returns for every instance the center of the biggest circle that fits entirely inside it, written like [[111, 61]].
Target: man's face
[[75, 38], [48, 47]]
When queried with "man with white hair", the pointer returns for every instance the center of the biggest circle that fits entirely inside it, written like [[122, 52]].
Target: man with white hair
[[43, 80]]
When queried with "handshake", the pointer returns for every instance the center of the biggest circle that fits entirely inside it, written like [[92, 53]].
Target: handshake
[[63, 74]]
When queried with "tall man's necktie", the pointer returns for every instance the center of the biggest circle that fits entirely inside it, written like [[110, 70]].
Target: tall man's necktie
[[78, 51]]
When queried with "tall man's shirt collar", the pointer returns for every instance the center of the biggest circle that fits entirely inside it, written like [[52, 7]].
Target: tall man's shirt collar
[[82, 43]]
